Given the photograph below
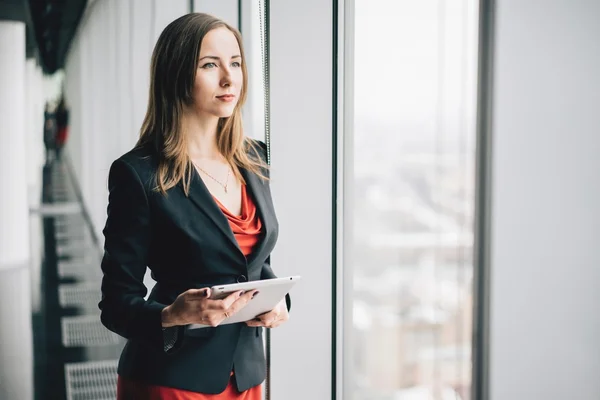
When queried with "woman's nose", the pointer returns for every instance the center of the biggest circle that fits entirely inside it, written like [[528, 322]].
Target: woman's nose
[[226, 78]]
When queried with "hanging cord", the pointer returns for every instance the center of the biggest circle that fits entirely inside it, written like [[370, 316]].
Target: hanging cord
[[263, 17], [264, 47]]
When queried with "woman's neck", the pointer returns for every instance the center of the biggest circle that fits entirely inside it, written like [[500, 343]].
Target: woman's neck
[[201, 133]]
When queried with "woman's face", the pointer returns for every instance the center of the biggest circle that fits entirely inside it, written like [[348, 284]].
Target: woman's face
[[219, 76]]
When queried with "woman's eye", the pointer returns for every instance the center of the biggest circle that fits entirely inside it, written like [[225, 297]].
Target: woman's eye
[[236, 64], [209, 65]]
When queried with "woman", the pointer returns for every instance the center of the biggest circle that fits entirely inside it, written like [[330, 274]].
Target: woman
[[49, 133], [192, 203], [62, 122]]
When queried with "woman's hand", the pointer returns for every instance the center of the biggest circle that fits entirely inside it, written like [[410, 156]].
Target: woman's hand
[[194, 307], [273, 318]]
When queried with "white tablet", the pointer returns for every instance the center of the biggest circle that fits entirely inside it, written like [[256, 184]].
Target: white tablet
[[272, 291]]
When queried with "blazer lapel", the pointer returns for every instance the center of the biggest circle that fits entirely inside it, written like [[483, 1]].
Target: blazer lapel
[[202, 198]]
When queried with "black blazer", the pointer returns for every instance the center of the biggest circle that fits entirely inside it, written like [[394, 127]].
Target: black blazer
[[187, 243]]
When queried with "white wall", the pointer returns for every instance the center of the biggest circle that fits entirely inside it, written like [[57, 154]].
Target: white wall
[[16, 358], [301, 131], [227, 10], [35, 95], [107, 81], [545, 279]]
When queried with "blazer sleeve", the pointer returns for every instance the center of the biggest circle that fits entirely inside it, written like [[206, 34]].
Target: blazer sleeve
[[127, 239]]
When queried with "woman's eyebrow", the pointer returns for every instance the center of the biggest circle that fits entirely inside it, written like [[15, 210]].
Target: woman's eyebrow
[[217, 58]]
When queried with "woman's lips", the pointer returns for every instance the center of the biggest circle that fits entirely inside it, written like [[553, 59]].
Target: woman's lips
[[226, 97]]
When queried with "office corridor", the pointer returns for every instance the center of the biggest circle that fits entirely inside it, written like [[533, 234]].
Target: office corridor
[[75, 356]]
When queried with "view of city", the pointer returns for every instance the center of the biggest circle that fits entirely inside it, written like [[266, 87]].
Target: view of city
[[413, 203]]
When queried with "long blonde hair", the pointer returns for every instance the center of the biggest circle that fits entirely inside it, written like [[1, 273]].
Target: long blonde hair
[[172, 76]]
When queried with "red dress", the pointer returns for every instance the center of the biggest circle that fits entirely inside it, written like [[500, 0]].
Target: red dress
[[246, 229]]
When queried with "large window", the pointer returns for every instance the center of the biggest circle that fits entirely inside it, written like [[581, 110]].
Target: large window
[[409, 215]]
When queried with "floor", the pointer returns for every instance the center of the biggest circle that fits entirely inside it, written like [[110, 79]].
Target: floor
[[75, 355]]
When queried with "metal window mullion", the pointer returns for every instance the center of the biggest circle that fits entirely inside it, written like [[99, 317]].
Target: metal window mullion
[[264, 45], [482, 230]]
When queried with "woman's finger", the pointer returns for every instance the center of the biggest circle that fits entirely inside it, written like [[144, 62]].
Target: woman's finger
[[277, 323], [258, 325], [223, 304], [198, 293], [241, 302], [267, 317], [282, 316], [266, 324], [220, 310], [233, 298], [257, 322]]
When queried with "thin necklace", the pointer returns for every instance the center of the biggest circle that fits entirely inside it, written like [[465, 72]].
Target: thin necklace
[[215, 179]]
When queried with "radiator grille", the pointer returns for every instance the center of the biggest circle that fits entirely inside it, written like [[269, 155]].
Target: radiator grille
[[95, 380], [86, 331]]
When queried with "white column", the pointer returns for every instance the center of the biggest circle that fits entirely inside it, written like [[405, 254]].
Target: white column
[[16, 367], [34, 137], [35, 154], [545, 219], [301, 150]]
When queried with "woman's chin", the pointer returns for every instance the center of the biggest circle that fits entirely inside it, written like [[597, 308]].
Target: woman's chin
[[219, 112], [225, 113]]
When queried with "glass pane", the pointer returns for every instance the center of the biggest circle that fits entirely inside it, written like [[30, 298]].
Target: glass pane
[[253, 33], [413, 200]]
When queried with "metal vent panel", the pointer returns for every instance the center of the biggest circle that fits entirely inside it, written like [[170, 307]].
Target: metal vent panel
[[80, 295], [81, 269], [63, 234], [95, 380], [86, 331], [73, 232], [67, 243], [72, 246], [72, 252]]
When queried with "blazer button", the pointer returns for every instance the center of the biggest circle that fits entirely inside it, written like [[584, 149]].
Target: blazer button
[[242, 278]]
